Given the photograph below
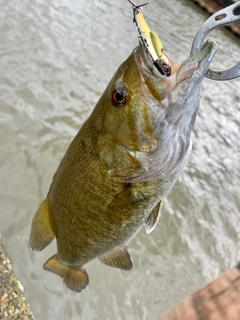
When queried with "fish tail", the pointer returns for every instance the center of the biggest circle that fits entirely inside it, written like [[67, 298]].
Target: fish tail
[[41, 230], [74, 279]]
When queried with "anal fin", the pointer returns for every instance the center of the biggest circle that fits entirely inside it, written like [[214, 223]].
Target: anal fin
[[75, 279], [118, 259], [41, 230], [152, 220]]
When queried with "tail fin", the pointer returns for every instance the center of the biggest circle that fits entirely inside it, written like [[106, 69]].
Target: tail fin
[[41, 231], [75, 279]]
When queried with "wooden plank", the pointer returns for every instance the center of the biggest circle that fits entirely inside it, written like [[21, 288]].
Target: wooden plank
[[218, 300]]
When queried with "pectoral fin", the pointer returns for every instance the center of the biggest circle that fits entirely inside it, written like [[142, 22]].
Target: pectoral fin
[[152, 220], [41, 231], [119, 259], [74, 279]]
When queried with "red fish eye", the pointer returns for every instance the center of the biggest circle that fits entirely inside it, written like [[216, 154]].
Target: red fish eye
[[166, 69], [119, 96]]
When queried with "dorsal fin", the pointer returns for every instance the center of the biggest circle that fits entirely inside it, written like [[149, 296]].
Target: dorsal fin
[[118, 259], [152, 220]]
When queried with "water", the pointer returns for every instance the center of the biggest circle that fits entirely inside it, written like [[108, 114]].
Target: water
[[56, 57]]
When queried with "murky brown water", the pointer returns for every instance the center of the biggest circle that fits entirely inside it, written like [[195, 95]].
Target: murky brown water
[[56, 57]]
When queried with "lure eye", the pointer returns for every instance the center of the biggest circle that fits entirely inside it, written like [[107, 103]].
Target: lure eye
[[119, 96], [163, 68], [166, 69]]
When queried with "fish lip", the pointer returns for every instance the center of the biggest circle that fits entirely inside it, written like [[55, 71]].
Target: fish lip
[[145, 63], [152, 82], [212, 45], [198, 61]]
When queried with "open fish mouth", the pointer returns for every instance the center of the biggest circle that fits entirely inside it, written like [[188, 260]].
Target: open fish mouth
[[161, 74], [152, 58], [164, 67]]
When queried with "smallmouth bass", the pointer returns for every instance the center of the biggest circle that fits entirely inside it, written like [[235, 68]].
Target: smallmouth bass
[[123, 161]]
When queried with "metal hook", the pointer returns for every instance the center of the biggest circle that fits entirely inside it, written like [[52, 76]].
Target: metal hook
[[136, 9], [225, 16]]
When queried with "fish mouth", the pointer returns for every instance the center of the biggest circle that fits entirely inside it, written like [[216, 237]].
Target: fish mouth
[[156, 69], [156, 76], [152, 58], [164, 67], [158, 72], [198, 63], [160, 83]]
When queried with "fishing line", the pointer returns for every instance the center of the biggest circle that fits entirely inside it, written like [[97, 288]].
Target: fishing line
[[151, 14]]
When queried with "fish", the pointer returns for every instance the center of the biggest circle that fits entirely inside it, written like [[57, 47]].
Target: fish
[[123, 161]]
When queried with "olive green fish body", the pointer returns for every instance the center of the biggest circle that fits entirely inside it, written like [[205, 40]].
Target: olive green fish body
[[89, 209], [120, 166]]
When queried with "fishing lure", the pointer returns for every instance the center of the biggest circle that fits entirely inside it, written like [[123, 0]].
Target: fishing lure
[[154, 47], [151, 41]]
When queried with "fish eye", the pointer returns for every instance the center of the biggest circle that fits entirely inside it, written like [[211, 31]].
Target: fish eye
[[166, 69], [119, 96]]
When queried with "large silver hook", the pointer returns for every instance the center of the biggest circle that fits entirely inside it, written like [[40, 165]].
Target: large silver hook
[[225, 16]]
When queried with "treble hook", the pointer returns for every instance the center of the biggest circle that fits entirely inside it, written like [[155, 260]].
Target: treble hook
[[225, 16], [136, 9]]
